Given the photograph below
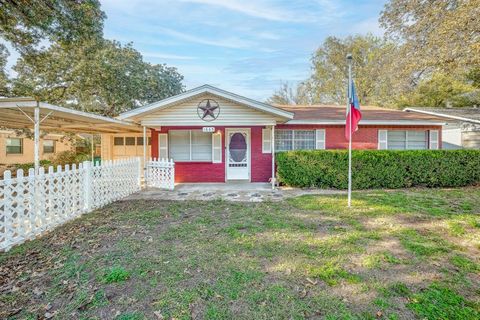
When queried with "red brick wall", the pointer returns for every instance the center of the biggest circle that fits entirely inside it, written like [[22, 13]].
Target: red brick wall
[[365, 138], [261, 164]]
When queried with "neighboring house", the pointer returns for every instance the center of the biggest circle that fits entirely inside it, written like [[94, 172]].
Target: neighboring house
[[19, 149], [462, 129], [123, 145], [217, 136]]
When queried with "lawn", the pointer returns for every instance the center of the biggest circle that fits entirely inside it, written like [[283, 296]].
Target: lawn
[[395, 255]]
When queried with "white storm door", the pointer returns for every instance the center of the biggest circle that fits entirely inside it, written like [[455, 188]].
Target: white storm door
[[238, 154]]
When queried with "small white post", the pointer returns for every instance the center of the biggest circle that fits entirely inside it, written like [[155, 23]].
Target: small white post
[[273, 157], [145, 154], [9, 212], [92, 147], [36, 139], [87, 185]]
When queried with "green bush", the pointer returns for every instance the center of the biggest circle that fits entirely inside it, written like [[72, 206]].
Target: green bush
[[379, 168], [69, 157]]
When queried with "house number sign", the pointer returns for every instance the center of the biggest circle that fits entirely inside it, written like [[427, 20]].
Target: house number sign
[[208, 129]]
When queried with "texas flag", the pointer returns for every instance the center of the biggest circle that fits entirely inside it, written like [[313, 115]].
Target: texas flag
[[353, 112]]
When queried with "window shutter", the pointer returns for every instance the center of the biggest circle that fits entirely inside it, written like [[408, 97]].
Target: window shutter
[[382, 140], [267, 140], [217, 147], [320, 139], [163, 146], [434, 139]]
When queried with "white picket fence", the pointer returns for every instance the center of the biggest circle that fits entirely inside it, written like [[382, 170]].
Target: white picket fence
[[33, 204], [160, 173]]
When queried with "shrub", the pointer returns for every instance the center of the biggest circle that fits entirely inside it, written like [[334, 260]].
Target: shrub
[[379, 168], [69, 157]]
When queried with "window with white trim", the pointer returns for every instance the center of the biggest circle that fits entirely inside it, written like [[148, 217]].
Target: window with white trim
[[14, 145], [190, 145], [48, 146], [407, 139], [286, 140]]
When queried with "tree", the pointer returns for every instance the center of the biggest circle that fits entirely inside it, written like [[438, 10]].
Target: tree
[[441, 35], [3, 74], [441, 90], [97, 76], [26, 23], [372, 58], [288, 95]]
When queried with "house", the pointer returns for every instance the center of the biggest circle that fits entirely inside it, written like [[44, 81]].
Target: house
[[19, 148], [218, 136], [462, 129]]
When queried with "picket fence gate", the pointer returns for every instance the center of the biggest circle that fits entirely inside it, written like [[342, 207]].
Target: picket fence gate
[[34, 204], [160, 173]]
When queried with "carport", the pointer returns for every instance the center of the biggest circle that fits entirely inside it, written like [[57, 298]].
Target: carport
[[28, 113]]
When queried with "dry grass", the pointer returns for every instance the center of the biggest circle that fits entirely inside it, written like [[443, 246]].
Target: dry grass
[[395, 255]]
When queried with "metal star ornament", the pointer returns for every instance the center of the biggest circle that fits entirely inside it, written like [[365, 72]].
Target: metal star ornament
[[208, 110]]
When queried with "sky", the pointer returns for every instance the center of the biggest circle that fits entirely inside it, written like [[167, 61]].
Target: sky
[[248, 47]]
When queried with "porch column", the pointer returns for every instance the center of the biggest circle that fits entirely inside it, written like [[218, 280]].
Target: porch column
[[36, 138], [91, 147], [273, 157], [144, 149]]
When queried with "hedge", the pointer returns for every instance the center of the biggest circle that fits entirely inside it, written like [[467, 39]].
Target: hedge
[[379, 168]]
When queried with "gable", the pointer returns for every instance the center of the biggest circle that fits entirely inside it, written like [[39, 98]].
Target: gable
[[185, 114]]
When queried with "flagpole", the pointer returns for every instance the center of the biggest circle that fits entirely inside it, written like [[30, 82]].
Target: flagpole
[[349, 106]]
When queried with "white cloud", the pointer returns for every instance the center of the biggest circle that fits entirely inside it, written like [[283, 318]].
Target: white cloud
[[160, 55], [295, 12], [230, 42]]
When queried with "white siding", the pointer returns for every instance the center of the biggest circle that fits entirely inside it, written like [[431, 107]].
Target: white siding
[[231, 113]]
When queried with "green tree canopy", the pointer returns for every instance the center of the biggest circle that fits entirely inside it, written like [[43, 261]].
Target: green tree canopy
[[372, 57], [26, 23], [97, 76], [440, 90], [3, 74], [441, 35]]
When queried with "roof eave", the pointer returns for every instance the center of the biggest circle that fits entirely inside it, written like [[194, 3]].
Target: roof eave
[[370, 122], [442, 115]]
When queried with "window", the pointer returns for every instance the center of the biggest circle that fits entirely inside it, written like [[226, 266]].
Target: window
[[130, 141], [190, 145], [294, 140], [118, 141], [14, 145], [48, 146], [139, 141], [406, 140]]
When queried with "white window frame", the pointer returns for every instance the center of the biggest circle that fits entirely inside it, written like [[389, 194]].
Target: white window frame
[[266, 140], [383, 143], [13, 153], [293, 138], [54, 146], [320, 139], [190, 145], [433, 139]]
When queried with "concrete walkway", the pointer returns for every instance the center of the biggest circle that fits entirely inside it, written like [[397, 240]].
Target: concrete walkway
[[237, 191]]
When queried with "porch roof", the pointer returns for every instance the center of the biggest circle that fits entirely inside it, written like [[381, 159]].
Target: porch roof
[[18, 113]]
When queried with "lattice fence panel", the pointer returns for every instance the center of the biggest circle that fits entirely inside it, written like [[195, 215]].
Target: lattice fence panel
[[33, 204], [160, 173]]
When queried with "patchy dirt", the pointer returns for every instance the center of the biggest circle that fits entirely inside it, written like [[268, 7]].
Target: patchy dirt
[[205, 260]]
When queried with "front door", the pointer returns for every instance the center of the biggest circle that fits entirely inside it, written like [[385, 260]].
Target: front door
[[238, 154]]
